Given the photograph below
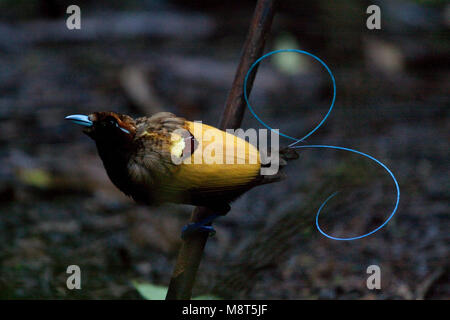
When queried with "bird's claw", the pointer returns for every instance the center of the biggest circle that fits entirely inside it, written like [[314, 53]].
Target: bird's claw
[[192, 228]]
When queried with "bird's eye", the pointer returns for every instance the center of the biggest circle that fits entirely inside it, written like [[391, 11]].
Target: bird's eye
[[111, 121]]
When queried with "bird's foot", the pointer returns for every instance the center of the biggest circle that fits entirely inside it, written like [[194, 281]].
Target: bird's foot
[[201, 226]]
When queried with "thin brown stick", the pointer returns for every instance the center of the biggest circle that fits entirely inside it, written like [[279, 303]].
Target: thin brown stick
[[191, 250]]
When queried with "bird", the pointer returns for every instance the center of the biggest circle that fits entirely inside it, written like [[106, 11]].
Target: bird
[[166, 158]]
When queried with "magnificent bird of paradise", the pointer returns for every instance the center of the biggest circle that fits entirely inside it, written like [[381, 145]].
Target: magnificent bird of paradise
[[162, 158]]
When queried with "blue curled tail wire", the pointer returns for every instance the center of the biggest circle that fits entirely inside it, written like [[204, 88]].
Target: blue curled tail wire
[[331, 196], [266, 125], [296, 140]]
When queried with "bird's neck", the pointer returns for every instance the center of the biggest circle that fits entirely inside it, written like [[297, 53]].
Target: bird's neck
[[115, 160]]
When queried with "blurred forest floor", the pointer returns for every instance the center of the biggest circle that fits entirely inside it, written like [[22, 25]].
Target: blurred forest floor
[[57, 206]]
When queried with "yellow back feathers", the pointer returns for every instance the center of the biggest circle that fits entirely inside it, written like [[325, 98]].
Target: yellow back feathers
[[220, 161]]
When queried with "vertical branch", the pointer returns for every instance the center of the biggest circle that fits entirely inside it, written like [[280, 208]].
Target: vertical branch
[[191, 250], [252, 50]]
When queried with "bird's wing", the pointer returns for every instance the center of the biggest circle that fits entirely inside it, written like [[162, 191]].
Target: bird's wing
[[221, 161], [212, 160], [152, 159]]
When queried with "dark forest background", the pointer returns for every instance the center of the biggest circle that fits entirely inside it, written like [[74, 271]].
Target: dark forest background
[[57, 206]]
